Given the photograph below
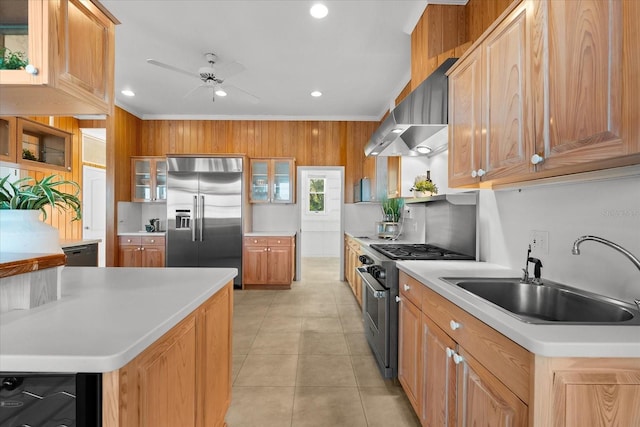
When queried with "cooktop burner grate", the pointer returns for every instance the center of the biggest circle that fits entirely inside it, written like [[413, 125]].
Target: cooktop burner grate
[[418, 251]]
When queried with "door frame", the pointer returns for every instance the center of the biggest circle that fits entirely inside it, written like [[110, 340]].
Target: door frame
[[299, 235]]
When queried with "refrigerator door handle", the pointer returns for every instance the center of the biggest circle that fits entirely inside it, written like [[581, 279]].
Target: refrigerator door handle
[[194, 217], [201, 217]]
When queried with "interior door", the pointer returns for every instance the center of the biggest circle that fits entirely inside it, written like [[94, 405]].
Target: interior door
[[220, 227], [94, 196]]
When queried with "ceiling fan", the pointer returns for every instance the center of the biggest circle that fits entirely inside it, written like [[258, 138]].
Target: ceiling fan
[[213, 78]]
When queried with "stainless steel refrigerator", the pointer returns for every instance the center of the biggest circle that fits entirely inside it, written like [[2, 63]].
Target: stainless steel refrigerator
[[204, 212]]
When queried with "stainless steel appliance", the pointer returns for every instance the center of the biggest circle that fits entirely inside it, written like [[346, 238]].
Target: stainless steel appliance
[[204, 212], [50, 400], [451, 223]]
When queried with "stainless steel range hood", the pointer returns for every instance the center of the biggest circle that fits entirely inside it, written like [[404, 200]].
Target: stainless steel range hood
[[418, 125]]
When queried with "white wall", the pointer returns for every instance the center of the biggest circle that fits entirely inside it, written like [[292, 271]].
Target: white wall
[[275, 217]]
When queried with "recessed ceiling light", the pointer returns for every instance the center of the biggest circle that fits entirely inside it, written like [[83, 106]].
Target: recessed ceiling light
[[374, 153], [316, 93], [221, 92], [128, 92], [396, 130], [318, 11]]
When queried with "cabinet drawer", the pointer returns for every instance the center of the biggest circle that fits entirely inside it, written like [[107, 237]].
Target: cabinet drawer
[[255, 241], [411, 289], [504, 358], [130, 240], [153, 241], [279, 241]]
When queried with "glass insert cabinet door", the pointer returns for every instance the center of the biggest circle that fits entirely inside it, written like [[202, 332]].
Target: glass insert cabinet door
[[272, 180], [161, 179], [149, 179], [142, 179], [260, 181], [282, 181]]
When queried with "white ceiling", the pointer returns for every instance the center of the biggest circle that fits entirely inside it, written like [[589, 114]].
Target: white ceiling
[[358, 57]]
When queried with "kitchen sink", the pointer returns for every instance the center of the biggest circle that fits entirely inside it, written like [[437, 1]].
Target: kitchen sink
[[548, 302]]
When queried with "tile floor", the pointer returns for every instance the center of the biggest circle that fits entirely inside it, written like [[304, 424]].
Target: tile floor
[[300, 359]]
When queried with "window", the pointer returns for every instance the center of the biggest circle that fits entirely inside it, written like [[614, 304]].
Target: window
[[316, 195]]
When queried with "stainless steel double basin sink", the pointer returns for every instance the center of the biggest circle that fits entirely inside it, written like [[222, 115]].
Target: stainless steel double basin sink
[[548, 302]]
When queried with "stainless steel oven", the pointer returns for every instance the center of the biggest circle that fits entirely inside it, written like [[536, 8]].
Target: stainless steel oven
[[380, 309]]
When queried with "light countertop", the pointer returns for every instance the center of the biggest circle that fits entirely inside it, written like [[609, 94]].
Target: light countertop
[[544, 340], [105, 318], [143, 233], [270, 234]]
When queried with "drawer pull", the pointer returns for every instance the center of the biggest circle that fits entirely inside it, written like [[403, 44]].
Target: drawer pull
[[454, 325], [255, 241], [278, 241], [407, 287], [457, 358], [128, 240]]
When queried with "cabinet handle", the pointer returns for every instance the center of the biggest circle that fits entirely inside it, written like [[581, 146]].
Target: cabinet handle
[[474, 174], [255, 241], [142, 249], [153, 241], [30, 69], [278, 241], [481, 172], [128, 240], [269, 249], [407, 287], [457, 358], [265, 249], [397, 298], [449, 352], [454, 325], [536, 159]]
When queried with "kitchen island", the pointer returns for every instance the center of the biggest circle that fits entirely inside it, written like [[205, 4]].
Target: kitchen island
[[156, 335]]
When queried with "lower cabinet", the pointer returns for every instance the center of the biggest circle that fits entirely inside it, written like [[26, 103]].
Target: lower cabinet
[[457, 371], [444, 381], [351, 254], [183, 379], [268, 261], [142, 251]]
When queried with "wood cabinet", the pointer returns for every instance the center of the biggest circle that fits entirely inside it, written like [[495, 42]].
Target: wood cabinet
[[70, 47], [468, 375], [537, 95], [8, 139], [42, 147], [268, 261], [184, 378], [394, 176], [142, 251], [351, 258], [490, 132], [272, 180], [148, 179]]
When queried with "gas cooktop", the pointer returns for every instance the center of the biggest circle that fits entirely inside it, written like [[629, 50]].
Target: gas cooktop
[[418, 251]]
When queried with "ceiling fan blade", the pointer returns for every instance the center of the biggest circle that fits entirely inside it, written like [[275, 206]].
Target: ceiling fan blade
[[230, 69], [171, 67], [188, 94], [232, 89]]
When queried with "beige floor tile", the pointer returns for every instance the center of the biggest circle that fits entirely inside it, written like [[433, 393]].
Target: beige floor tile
[[328, 407], [250, 310], [276, 343], [352, 324], [245, 323], [349, 310], [278, 323], [288, 297], [294, 310], [268, 370], [357, 344], [325, 370], [258, 298], [320, 309], [367, 372], [261, 407], [242, 342], [322, 324], [387, 406], [313, 342], [237, 360]]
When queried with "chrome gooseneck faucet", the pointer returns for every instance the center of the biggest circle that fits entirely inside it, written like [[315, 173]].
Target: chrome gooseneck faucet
[[629, 255]]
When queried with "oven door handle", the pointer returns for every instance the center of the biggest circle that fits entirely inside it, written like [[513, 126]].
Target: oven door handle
[[378, 291]]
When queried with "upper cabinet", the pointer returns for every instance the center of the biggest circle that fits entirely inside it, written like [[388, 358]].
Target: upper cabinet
[[8, 142], [272, 180], [43, 146], [70, 49], [149, 179], [541, 94]]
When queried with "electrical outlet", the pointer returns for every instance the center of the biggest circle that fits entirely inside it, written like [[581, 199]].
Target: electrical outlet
[[408, 213], [539, 241]]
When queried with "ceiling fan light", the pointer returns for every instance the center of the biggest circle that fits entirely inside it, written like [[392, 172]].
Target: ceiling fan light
[[128, 92], [221, 92], [316, 93], [319, 11]]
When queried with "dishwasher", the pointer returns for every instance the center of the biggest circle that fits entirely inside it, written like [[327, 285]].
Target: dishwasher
[[82, 255]]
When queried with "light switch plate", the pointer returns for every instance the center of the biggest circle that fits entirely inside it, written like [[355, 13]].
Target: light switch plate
[[539, 241]]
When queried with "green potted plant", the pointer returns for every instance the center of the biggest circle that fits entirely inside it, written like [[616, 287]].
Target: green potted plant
[[10, 60], [424, 188], [22, 202], [392, 209]]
